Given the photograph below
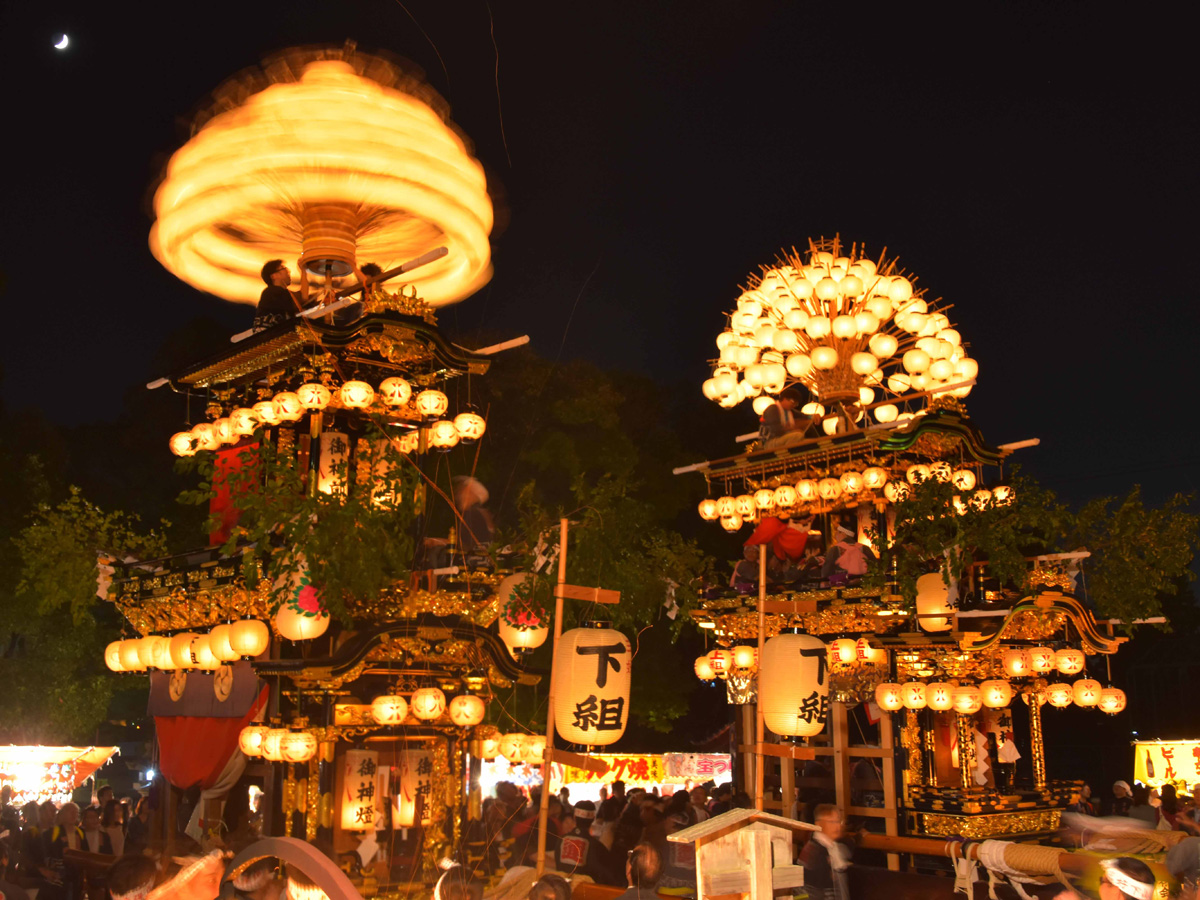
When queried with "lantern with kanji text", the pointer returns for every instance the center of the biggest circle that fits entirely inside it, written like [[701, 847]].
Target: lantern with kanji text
[[793, 684], [591, 684]]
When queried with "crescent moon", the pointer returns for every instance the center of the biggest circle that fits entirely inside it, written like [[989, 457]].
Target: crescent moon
[[61, 45]]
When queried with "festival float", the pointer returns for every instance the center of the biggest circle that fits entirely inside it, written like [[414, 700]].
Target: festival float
[[362, 716], [909, 689]]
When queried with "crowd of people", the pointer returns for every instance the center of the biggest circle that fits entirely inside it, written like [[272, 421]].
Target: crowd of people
[[1163, 809]]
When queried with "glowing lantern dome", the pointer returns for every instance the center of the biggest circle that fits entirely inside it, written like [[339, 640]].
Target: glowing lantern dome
[[428, 703], [1060, 695], [1017, 662], [289, 406], [356, 395], [511, 746], [249, 637], [889, 696], [533, 750], [431, 403], [745, 656], [721, 660], [470, 426], [297, 747], [703, 669], [1086, 692], [968, 700], [112, 657], [939, 696], [181, 650], [218, 642], [326, 160], [314, 395], [708, 509], [591, 680], [913, 695], [250, 739], [389, 709], [1069, 661], [128, 655], [395, 391], [183, 444], [488, 745], [466, 710], [843, 650], [1112, 700], [267, 412], [996, 693], [1042, 660], [272, 744]]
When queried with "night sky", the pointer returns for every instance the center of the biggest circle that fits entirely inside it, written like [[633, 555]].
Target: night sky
[[1034, 166]]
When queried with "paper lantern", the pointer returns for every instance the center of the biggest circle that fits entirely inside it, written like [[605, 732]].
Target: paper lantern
[[431, 403], [852, 482], [913, 695], [272, 744], [356, 395], [708, 509], [703, 669], [933, 598], [731, 523], [889, 696], [466, 710], [267, 412], [1016, 662], [223, 429], [726, 506], [250, 739], [182, 443], [1060, 695], [1069, 661], [427, 703], [112, 657], [806, 490], [916, 474], [297, 747], [785, 496], [488, 746], [521, 639], [967, 699], [844, 328], [205, 437], [793, 684], [511, 746], [289, 406], [1002, 495], [1086, 692], [939, 696], [823, 358], [160, 652], [129, 656], [864, 652], [202, 653], [249, 638], [181, 650], [218, 642], [721, 661], [963, 479], [359, 778], [874, 478], [389, 709], [591, 685], [842, 651], [470, 426], [745, 505], [1112, 700], [896, 491], [996, 693], [1042, 660], [883, 346], [395, 391], [764, 498], [334, 468], [745, 656], [314, 395], [300, 616], [414, 771], [533, 750], [829, 488]]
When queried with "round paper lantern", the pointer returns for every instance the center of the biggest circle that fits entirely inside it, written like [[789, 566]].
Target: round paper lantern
[[726, 506], [510, 747], [939, 696], [488, 746], [745, 505], [824, 358], [852, 482], [916, 474], [533, 750], [297, 746], [889, 696], [764, 498], [793, 684], [1042, 660], [1086, 692], [806, 490], [251, 738], [895, 491], [129, 656], [356, 395], [1002, 495], [298, 625], [470, 426], [428, 703], [181, 650], [1112, 700], [521, 639], [963, 479], [745, 656], [829, 488], [160, 652], [431, 403], [703, 669], [721, 660], [874, 478], [1016, 662], [314, 395], [300, 616], [395, 391], [591, 685], [249, 638], [708, 509], [996, 693], [289, 406], [223, 429], [731, 523], [933, 600], [1069, 661], [785, 496], [267, 411], [272, 744], [864, 652], [389, 709], [1060, 695], [466, 710], [112, 657], [218, 642], [183, 444], [843, 651], [883, 345], [967, 699], [202, 653], [913, 695], [205, 437]]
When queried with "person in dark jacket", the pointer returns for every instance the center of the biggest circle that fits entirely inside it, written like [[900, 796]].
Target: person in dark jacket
[[826, 856], [641, 871], [581, 851]]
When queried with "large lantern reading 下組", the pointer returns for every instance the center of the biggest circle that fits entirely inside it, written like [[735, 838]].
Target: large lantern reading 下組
[[1069, 661], [428, 703], [996, 693], [358, 789], [415, 770], [1086, 692], [591, 685], [793, 684], [967, 700], [913, 695], [389, 709], [939, 696], [1060, 695], [1112, 700], [889, 696], [466, 710]]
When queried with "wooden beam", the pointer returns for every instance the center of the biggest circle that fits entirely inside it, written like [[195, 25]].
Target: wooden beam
[[577, 761], [586, 594], [786, 751], [891, 823], [788, 607]]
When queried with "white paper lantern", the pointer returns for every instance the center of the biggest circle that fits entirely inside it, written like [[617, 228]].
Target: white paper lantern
[[431, 403], [289, 406], [1060, 695], [314, 395], [996, 693], [301, 616], [932, 599], [1086, 692], [793, 684], [939, 696], [356, 395], [395, 391], [914, 695], [1112, 700], [249, 637], [889, 696], [1042, 660], [968, 700], [1016, 662], [428, 703], [591, 685], [703, 669], [250, 739], [359, 768], [512, 746], [112, 657], [1069, 661], [181, 650], [467, 710], [389, 709], [297, 747]]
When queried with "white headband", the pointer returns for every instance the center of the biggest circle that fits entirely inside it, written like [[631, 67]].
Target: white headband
[[1125, 883], [844, 530], [138, 893], [583, 813]]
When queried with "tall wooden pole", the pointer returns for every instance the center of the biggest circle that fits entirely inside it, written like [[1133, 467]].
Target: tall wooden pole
[[760, 728], [544, 811]]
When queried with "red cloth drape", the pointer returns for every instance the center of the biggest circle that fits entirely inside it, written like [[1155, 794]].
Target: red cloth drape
[[193, 750], [785, 541], [223, 505]]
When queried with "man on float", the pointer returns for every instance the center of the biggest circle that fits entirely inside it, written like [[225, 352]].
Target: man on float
[[276, 303]]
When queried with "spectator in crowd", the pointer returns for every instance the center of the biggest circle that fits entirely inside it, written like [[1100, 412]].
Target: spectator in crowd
[[1083, 803], [582, 851], [699, 798], [642, 869], [10, 817], [629, 828], [137, 829], [826, 856], [103, 796], [64, 835], [112, 823], [95, 839], [131, 877], [1141, 808], [1170, 806], [8, 890], [722, 800], [1122, 798]]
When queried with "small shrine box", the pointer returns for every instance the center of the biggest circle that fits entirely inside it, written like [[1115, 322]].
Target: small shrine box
[[743, 854]]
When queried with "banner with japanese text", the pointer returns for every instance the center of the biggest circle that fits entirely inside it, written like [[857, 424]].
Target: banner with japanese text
[[1156, 763]]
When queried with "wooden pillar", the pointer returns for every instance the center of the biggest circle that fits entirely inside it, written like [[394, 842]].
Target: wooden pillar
[[759, 727], [749, 753], [543, 811], [841, 758], [787, 787], [891, 802]]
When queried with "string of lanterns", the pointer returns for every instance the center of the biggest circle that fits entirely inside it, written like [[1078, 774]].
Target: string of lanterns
[[838, 325], [290, 406], [720, 663], [226, 643]]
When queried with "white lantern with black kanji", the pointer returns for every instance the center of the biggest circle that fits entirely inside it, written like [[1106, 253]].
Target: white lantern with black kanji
[[414, 787], [591, 685], [358, 789], [793, 684]]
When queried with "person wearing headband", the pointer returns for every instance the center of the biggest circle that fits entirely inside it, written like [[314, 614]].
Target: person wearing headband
[[847, 558], [1126, 878], [131, 878]]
